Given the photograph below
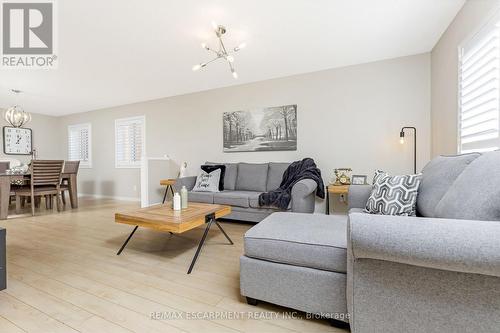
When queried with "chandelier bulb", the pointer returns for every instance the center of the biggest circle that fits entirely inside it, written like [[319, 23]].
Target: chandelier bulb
[[196, 67], [239, 47], [235, 75]]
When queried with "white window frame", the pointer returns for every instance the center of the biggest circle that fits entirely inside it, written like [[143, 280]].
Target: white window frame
[[130, 164], [485, 28], [78, 127]]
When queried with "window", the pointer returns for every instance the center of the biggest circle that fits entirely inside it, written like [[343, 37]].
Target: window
[[80, 144], [479, 90], [129, 142]]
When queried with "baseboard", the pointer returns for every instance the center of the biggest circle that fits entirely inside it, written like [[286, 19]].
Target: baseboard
[[101, 196]]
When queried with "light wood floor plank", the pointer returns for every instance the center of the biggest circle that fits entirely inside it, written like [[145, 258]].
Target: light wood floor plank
[[29, 318], [65, 312], [96, 305], [8, 327]]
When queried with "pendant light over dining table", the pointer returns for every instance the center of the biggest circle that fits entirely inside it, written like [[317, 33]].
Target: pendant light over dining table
[[15, 115]]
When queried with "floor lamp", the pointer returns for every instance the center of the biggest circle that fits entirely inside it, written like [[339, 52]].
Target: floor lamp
[[402, 140]]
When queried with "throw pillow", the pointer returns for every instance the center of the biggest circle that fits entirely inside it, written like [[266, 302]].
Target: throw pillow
[[207, 182], [209, 168], [393, 195]]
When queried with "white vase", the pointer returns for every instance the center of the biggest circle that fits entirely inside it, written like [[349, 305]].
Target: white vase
[[177, 201], [184, 197]]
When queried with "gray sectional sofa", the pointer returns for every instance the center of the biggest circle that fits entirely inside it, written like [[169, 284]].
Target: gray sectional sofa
[[243, 182], [438, 272]]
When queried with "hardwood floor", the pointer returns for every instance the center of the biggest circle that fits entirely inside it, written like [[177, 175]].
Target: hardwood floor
[[64, 276]]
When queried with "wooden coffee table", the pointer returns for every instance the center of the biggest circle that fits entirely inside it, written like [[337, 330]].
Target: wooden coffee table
[[164, 218]]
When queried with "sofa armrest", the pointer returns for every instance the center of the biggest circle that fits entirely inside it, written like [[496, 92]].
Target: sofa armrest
[[303, 193], [185, 181], [447, 244], [358, 195]]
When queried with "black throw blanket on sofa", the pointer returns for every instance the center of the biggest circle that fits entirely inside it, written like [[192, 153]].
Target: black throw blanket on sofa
[[305, 169]]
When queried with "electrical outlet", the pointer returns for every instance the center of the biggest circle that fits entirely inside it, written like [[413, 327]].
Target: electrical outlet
[[135, 188]]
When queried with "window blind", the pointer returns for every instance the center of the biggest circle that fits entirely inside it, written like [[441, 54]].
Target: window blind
[[79, 144], [479, 91], [129, 142]]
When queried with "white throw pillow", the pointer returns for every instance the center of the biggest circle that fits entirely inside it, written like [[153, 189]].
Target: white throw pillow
[[207, 182]]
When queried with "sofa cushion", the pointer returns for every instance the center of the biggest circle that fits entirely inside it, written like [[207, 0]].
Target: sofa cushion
[[437, 177], [204, 197], [309, 240], [232, 198], [253, 201], [230, 174], [275, 175], [475, 194], [252, 177]]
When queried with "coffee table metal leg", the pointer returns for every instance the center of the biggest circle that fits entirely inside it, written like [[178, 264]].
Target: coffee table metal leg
[[222, 230], [126, 242], [202, 241]]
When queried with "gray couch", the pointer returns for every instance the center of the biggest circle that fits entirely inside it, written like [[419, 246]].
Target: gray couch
[[438, 272], [243, 182]]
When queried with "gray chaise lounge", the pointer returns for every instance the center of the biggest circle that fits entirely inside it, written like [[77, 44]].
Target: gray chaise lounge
[[298, 261], [243, 182], [439, 272]]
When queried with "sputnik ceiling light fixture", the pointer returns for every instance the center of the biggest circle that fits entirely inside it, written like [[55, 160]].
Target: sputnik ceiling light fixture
[[221, 52]]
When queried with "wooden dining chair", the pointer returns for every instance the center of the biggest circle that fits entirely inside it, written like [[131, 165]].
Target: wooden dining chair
[[4, 166], [45, 181], [70, 167]]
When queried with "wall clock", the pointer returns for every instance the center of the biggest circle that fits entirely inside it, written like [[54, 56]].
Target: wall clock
[[17, 140]]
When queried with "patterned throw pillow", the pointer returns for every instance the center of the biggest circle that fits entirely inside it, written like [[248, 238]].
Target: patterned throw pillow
[[393, 195], [207, 182]]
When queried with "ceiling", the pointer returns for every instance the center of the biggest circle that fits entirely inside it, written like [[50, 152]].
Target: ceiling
[[117, 52]]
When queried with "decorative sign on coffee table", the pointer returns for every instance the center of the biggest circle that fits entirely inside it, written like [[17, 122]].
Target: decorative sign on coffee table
[[265, 129]]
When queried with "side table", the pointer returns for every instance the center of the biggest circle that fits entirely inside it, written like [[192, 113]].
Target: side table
[[334, 189], [169, 183]]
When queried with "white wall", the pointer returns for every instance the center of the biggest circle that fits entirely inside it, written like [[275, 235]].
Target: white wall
[[347, 117], [444, 65], [45, 139]]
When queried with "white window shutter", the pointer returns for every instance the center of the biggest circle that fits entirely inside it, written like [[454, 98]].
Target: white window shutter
[[479, 91], [80, 145], [129, 142]]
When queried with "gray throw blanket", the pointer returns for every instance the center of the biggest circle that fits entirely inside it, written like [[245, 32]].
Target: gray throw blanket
[[305, 169]]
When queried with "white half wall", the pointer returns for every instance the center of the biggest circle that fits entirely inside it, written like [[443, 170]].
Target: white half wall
[[347, 117]]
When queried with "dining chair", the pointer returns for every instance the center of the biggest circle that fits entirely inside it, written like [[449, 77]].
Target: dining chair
[[45, 181], [70, 167], [4, 166]]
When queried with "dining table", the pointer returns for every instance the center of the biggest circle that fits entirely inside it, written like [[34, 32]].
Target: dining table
[[6, 180]]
